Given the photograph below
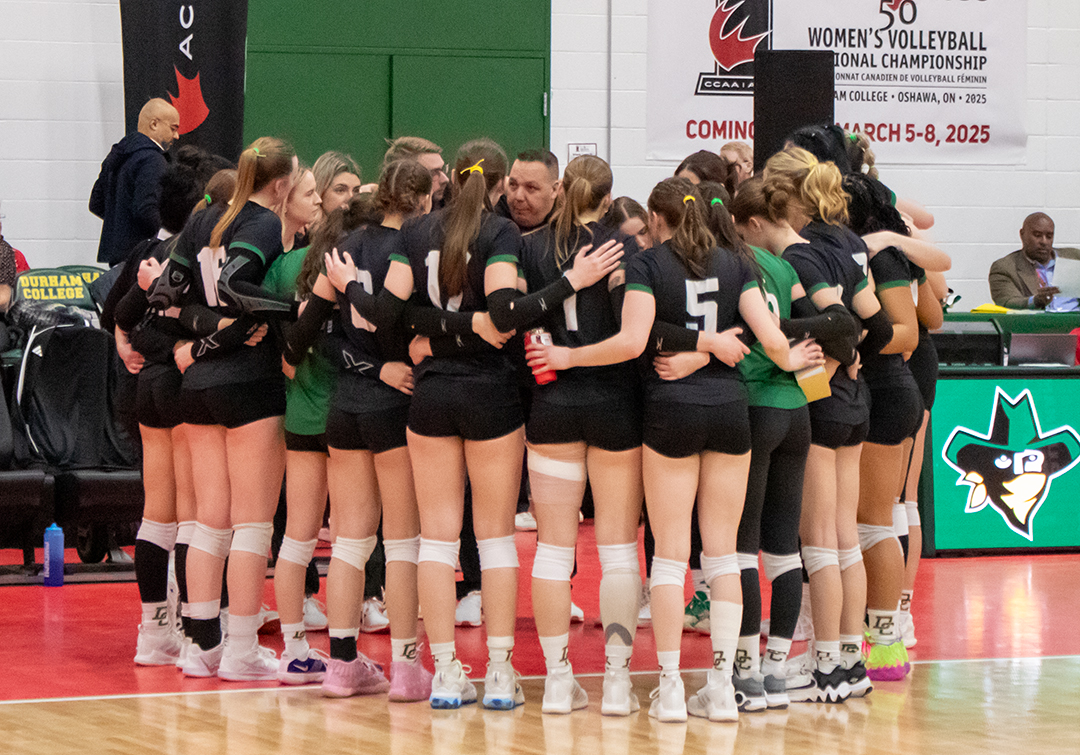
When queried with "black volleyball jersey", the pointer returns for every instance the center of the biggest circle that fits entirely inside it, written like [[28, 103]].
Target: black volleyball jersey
[[891, 269], [709, 303], [587, 317], [255, 233], [834, 257], [421, 240], [360, 390]]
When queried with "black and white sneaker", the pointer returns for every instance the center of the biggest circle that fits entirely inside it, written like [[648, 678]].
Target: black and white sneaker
[[858, 682], [823, 688], [749, 693], [776, 694]]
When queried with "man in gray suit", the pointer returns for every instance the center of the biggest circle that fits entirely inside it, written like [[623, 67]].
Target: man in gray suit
[[1025, 278]]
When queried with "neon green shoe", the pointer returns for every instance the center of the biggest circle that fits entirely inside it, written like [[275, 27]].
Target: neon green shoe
[[696, 616], [886, 663]]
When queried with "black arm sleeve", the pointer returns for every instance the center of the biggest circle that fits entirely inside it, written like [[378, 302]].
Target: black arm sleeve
[[226, 340], [382, 309], [154, 344], [834, 328], [199, 319], [449, 346], [130, 309], [236, 289], [512, 310], [434, 322], [669, 337], [879, 332], [300, 336]]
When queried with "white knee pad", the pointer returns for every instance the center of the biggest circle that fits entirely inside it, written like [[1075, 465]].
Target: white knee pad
[[352, 551], [297, 551], [747, 561], [849, 557], [553, 562], [913, 519], [253, 537], [212, 541], [666, 571], [871, 534], [403, 550], [439, 552], [161, 534], [899, 519], [816, 559], [619, 558], [719, 566], [498, 553], [184, 532], [557, 481], [775, 565]]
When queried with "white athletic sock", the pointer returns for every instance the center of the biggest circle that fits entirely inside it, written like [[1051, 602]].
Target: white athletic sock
[[905, 601], [725, 620], [776, 654], [827, 655], [850, 649], [443, 654], [155, 618], [669, 662], [882, 626], [403, 650], [243, 634], [500, 649], [617, 656], [296, 643], [748, 656], [556, 650]]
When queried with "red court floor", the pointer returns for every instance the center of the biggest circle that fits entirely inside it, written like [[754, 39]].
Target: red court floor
[[78, 640]]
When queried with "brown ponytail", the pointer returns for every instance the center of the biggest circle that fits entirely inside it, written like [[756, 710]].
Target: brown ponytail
[[816, 185], [327, 235], [480, 167], [678, 202], [402, 187], [218, 190], [266, 160], [586, 181], [754, 201], [718, 219]]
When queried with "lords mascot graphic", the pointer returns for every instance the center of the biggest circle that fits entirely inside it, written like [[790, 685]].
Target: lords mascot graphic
[[1012, 467]]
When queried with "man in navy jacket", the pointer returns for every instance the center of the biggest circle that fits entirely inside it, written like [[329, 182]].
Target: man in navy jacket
[[125, 195]]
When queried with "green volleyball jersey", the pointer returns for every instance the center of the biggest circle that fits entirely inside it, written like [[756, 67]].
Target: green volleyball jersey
[[308, 393], [767, 384]]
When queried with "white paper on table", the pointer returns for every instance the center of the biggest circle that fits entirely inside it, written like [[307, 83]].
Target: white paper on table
[[1067, 277]]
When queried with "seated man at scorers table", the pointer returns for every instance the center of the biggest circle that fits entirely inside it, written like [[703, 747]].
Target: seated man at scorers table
[[1025, 278]]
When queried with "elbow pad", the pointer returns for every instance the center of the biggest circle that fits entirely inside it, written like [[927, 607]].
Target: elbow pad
[[879, 332], [512, 310], [169, 287], [249, 298], [381, 310]]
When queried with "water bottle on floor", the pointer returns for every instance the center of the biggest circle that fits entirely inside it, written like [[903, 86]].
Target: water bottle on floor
[[54, 556]]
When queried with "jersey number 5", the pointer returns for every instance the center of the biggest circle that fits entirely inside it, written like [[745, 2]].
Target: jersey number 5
[[695, 307]]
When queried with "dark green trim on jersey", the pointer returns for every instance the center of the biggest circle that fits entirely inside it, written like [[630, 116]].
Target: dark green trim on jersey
[[249, 247], [639, 287], [862, 284], [395, 257], [818, 287], [174, 257], [893, 284], [502, 258], [750, 285]]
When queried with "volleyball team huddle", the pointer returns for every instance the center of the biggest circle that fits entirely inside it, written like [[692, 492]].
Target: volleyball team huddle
[[676, 335]]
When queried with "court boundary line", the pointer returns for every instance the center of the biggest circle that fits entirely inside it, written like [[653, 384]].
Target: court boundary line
[[535, 677]]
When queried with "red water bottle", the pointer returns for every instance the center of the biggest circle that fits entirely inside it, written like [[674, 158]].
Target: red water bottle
[[540, 337]]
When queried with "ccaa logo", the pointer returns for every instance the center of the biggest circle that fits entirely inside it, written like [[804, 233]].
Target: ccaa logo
[[189, 102], [736, 30], [1011, 467]]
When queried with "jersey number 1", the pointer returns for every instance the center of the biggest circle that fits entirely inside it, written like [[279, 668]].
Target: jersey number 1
[[211, 261]]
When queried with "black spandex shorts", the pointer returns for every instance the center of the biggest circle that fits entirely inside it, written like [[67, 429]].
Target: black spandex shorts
[[447, 406], [679, 430], [235, 404], [157, 399], [837, 434], [613, 425], [895, 413], [924, 368], [371, 431], [310, 443]]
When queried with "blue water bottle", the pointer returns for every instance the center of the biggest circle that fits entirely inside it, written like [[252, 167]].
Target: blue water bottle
[[54, 556]]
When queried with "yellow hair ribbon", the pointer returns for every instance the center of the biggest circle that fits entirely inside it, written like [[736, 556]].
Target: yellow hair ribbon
[[474, 168], [688, 198]]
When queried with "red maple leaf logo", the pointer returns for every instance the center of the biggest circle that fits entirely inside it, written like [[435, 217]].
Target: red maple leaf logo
[[731, 49], [189, 102]]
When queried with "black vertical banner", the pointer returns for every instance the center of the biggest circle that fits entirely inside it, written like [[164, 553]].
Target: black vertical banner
[[189, 53]]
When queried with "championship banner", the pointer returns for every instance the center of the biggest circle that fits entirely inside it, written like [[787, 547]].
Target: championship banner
[[931, 81], [191, 54]]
